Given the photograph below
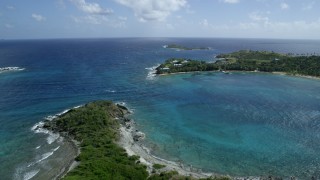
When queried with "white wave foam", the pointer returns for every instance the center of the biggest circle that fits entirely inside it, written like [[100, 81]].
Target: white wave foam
[[110, 90], [63, 112], [121, 103], [38, 147], [55, 149], [165, 46], [151, 72], [37, 125], [30, 174], [44, 156], [50, 118], [60, 139], [38, 128], [67, 110], [4, 69], [52, 137]]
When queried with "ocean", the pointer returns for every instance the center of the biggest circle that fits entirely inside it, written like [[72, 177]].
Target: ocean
[[241, 124]]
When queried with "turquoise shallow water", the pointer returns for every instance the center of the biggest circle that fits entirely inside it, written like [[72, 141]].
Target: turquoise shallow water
[[237, 124]]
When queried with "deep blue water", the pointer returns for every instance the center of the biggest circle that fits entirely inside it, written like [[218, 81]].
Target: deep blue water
[[238, 124]]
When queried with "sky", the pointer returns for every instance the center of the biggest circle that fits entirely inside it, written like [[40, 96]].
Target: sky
[[46, 19]]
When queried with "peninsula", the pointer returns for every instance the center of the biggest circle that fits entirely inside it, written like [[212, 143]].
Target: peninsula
[[180, 47], [247, 60], [109, 146]]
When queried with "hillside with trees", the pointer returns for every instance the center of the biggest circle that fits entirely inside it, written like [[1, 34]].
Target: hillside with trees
[[247, 61]]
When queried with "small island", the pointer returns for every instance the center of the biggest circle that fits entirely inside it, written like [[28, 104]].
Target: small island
[[247, 60], [180, 47]]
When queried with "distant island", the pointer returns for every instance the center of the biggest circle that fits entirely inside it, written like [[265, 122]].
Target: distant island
[[247, 60], [180, 47], [109, 146], [6, 69]]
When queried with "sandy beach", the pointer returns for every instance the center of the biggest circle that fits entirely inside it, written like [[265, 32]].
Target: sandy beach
[[58, 162], [74, 152], [136, 148], [235, 71], [296, 75], [132, 147]]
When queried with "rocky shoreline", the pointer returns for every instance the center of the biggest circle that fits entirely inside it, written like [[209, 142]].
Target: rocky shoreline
[[73, 163], [131, 140], [72, 146], [235, 71]]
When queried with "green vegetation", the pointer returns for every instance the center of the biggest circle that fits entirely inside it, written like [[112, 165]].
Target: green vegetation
[[165, 175], [184, 65], [176, 46], [247, 61], [253, 55], [95, 126], [158, 166], [173, 175]]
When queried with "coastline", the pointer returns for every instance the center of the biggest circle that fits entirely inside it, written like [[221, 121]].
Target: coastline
[[69, 141], [297, 75], [72, 163], [69, 148], [133, 147], [230, 71], [127, 141], [103, 139]]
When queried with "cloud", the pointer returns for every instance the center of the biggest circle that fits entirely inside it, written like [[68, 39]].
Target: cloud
[[119, 22], [38, 17], [122, 18], [91, 8], [308, 6], [231, 1], [284, 6], [61, 4], [170, 26], [258, 17], [204, 23], [153, 10], [95, 15], [261, 25], [8, 26], [188, 9], [90, 19], [11, 8]]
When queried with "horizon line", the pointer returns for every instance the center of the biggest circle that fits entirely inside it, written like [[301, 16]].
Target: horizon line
[[153, 37]]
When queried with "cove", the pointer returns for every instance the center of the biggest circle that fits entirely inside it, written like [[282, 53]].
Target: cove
[[241, 124]]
